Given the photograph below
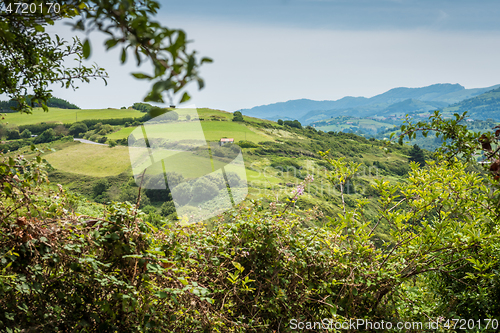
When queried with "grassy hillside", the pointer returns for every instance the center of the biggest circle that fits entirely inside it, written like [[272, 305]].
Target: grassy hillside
[[214, 131], [482, 107], [68, 115], [342, 124], [282, 159]]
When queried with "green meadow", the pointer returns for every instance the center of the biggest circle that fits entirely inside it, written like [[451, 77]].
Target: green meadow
[[363, 123], [213, 130], [102, 161], [68, 115]]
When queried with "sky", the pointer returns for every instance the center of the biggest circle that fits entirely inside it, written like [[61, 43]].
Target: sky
[[268, 51]]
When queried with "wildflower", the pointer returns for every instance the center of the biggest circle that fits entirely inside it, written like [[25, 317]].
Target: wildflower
[[300, 190], [309, 179]]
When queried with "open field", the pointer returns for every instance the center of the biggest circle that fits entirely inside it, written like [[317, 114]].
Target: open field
[[68, 115], [102, 161], [364, 124], [90, 160], [213, 130]]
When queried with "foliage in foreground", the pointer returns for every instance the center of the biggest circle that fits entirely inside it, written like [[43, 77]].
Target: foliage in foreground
[[254, 269]]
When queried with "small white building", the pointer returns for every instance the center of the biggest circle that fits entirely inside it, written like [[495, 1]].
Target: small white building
[[223, 141]]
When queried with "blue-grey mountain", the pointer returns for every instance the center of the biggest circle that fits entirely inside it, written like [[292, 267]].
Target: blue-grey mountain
[[396, 101]]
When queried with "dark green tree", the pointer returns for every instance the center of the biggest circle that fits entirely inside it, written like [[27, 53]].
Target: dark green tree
[[13, 134], [417, 155], [48, 135], [26, 134], [237, 116], [78, 128], [100, 187]]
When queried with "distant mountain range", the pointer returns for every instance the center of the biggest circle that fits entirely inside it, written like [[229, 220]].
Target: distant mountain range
[[482, 107], [396, 101]]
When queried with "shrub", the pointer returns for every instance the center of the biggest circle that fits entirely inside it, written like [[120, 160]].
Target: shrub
[[204, 190], [237, 116], [217, 180], [105, 129], [294, 123], [143, 107], [247, 144], [233, 179], [78, 128], [26, 134], [48, 135], [100, 187], [61, 130], [112, 143], [182, 194], [171, 115], [167, 208], [102, 139], [13, 134]]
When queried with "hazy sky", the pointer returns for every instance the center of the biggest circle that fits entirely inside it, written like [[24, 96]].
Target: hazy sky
[[268, 51]]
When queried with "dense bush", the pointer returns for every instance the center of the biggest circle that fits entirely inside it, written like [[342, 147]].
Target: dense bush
[[247, 144], [48, 135], [294, 123], [37, 128], [6, 106], [237, 116], [182, 193], [78, 128], [26, 134], [12, 146], [204, 190], [100, 187], [13, 134], [143, 107], [167, 208]]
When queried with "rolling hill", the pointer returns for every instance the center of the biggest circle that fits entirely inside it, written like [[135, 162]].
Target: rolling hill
[[413, 99], [482, 107], [281, 159]]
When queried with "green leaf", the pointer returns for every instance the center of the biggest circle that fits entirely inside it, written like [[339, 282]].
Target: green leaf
[[110, 43], [161, 294], [185, 97], [238, 266], [183, 280], [155, 112], [86, 49], [124, 55], [39, 28], [142, 76]]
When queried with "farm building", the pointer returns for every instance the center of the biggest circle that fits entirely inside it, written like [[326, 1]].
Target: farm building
[[223, 141]]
